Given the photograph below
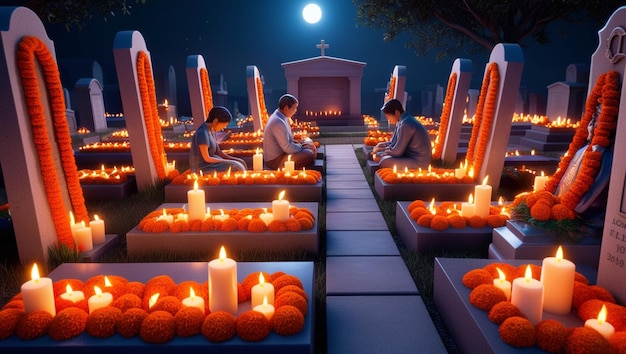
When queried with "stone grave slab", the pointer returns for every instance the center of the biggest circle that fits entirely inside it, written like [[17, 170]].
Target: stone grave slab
[[519, 240], [402, 325], [352, 205], [421, 238], [179, 271], [110, 240], [469, 326], [248, 193], [360, 243], [424, 191], [368, 276], [139, 242], [535, 162], [355, 221], [372, 166], [361, 193], [109, 191]]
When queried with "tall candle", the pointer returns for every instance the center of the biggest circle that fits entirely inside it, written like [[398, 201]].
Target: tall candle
[[98, 234], [289, 165], [482, 197], [527, 296], [99, 300], [82, 236], [196, 202], [38, 293], [223, 284], [280, 208], [557, 276], [73, 224], [260, 291], [72, 295], [599, 324], [193, 300], [540, 182], [266, 309], [257, 161], [503, 284]]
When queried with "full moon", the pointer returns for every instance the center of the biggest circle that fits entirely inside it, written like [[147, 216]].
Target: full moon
[[312, 13]]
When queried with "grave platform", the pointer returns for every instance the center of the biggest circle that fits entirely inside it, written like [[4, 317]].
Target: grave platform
[[534, 162], [94, 160], [110, 191], [419, 238], [299, 343], [424, 191], [469, 326], [139, 242], [110, 240], [248, 192], [520, 240], [548, 139]]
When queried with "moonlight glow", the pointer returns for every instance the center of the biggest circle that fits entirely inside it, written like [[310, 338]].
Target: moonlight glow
[[312, 13]]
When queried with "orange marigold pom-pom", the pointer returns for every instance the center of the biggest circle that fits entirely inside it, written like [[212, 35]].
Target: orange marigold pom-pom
[[68, 324], [601, 293], [293, 299], [158, 327], [127, 301], [252, 326], [135, 287], [496, 220], [291, 288], [130, 322], [582, 293], [169, 304], [242, 224], [277, 226], [616, 314], [517, 332], [229, 225], [102, 322], [61, 304], [476, 277], [617, 342], [195, 225], [179, 226], [477, 222], [541, 212], [293, 225], [275, 275], [417, 212], [207, 225], [508, 270], [503, 310], [581, 278], [285, 280], [586, 340], [559, 212], [306, 223], [257, 225], [219, 326], [416, 204], [439, 223], [251, 280], [161, 284], [241, 294], [189, 321], [425, 220], [551, 336], [485, 296], [19, 304], [9, 319], [287, 320], [33, 325], [456, 221], [520, 271]]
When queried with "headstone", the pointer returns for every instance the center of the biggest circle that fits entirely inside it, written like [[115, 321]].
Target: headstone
[[536, 104], [170, 88], [256, 98], [70, 114], [201, 101], [395, 89], [34, 219], [221, 94], [462, 71], [90, 104], [429, 100], [472, 102], [438, 101], [566, 99], [144, 130]]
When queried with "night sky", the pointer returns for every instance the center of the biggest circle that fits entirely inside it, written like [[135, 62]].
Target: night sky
[[235, 33]]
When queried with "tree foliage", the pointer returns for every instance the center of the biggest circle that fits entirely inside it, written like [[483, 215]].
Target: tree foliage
[[446, 25]]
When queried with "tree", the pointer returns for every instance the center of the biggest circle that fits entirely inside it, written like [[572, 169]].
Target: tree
[[76, 12], [447, 25]]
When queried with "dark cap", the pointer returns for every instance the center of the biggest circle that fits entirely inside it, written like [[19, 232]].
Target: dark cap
[[392, 106]]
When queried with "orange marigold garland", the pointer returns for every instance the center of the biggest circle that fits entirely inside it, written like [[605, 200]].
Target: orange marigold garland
[[392, 88], [29, 49], [262, 108], [207, 95], [445, 117]]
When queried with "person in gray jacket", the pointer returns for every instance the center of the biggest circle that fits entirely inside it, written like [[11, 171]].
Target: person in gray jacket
[[410, 144]]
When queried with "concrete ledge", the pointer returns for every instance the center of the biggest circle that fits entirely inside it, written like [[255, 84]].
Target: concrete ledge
[[109, 191], [424, 191], [372, 166], [99, 250], [248, 193]]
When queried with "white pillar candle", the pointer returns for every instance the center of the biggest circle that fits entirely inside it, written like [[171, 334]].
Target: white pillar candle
[[600, 325], [167, 217], [72, 295], [266, 309], [540, 182], [557, 276], [482, 197], [193, 300], [83, 239], [280, 208], [261, 291], [459, 172], [98, 234], [289, 165], [468, 209], [99, 300], [257, 161], [527, 296], [38, 294], [196, 202], [223, 284], [503, 284], [266, 217]]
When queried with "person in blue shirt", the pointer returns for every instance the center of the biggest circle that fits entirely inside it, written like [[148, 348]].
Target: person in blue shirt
[[278, 141], [410, 144], [205, 154]]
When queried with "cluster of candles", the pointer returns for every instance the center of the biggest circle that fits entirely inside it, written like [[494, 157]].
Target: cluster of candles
[[87, 235], [563, 123], [478, 203], [120, 134], [113, 115], [534, 119], [460, 172], [106, 174], [517, 153], [122, 146], [327, 113], [552, 293], [83, 130], [370, 121], [38, 293]]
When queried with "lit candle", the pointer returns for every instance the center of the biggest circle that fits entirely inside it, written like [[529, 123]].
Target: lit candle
[[604, 328], [482, 197], [265, 308], [221, 216], [262, 291], [196, 202], [459, 172], [193, 300], [468, 209], [223, 284], [557, 276], [167, 217], [99, 300], [97, 230], [280, 208], [153, 300], [266, 217], [257, 161], [289, 165], [73, 224], [527, 296], [38, 293], [207, 215], [503, 284], [72, 295], [540, 182], [82, 236]]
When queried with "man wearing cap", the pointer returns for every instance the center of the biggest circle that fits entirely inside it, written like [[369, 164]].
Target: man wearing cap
[[410, 144]]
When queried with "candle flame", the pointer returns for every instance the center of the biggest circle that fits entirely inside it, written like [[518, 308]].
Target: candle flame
[[97, 290], [257, 151], [222, 212], [107, 282], [528, 275], [164, 212], [34, 273], [432, 207], [72, 220], [281, 195], [222, 254], [395, 169], [559, 254], [500, 201], [192, 294], [602, 315], [289, 158], [265, 300], [95, 217], [195, 185], [68, 289], [501, 273], [470, 199], [485, 180], [153, 300], [261, 278], [542, 174]]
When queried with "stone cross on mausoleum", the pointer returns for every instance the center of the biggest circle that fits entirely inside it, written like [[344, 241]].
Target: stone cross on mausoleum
[[322, 46]]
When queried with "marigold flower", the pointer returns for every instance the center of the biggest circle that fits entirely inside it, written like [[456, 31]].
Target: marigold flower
[[67, 324], [417, 212], [439, 223], [251, 280], [601, 293], [559, 212], [456, 221], [517, 332], [127, 301], [287, 320], [219, 326], [130, 322], [293, 299], [9, 319], [540, 211], [293, 225], [195, 225], [476, 277], [229, 225], [169, 304], [241, 294], [485, 296], [277, 226], [242, 224], [207, 225], [425, 220], [158, 327], [257, 225], [503, 310], [616, 314], [252, 326], [17, 304], [580, 277], [189, 321], [275, 275], [551, 336], [496, 220], [291, 288], [33, 325], [102, 322], [416, 204], [285, 280], [507, 269], [135, 287], [617, 342], [582, 293], [586, 340], [306, 224], [477, 222], [162, 284]]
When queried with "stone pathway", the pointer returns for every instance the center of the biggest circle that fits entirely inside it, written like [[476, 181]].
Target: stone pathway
[[372, 303]]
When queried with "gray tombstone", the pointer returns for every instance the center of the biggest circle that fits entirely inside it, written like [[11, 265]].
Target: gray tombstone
[[70, 115], [90, 105], [566, 99]]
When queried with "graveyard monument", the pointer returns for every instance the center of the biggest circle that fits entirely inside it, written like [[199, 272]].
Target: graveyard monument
[[199, 86], [256, 98]]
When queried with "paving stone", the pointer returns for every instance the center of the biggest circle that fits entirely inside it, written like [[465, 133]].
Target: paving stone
[[351, 205], [349, 194], [368, 275], [360, 243], [347, 185], [355, 221], [346, 177]]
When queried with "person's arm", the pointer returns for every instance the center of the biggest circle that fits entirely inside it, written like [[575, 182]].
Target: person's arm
[[284, 142], [405, 134]]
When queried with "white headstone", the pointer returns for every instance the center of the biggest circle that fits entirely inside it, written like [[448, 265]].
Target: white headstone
[[201, 102], [90, 104], [463, 70], [395, 89], [170, 91], [566, 99], [472, 102], [70, 115], [255, 97]]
